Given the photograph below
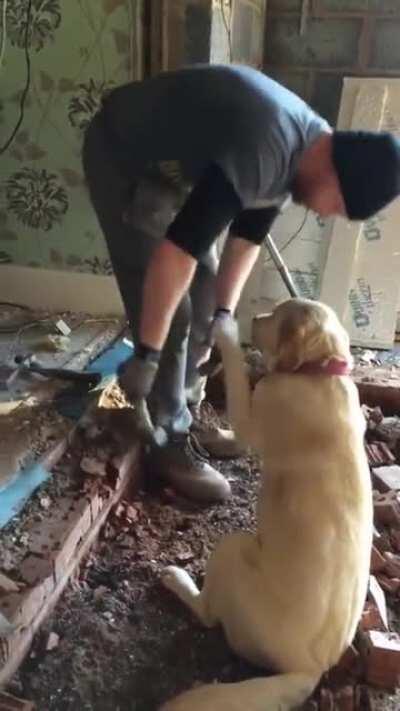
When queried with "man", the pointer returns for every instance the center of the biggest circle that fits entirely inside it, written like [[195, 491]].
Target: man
[[173, 161]]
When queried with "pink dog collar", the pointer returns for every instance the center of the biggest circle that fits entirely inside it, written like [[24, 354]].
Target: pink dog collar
[[334, 366]]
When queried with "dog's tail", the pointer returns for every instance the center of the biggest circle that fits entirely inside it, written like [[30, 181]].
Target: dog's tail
[[276, 693]]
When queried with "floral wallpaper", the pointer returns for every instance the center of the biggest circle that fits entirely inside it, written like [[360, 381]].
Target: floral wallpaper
[[78, 50]]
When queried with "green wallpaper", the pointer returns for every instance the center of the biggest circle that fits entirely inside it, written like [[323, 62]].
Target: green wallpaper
[[78, 49]]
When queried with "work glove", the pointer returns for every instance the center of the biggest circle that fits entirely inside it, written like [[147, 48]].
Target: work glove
[[136, 377], [220, 317], [211, 365]]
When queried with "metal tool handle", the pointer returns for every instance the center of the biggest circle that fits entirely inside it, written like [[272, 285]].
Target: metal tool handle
[[281, 267]]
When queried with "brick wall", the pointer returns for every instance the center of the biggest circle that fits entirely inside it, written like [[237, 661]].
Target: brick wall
[[339, 38]]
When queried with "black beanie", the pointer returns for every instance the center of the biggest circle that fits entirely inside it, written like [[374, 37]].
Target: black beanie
[[368, 167]]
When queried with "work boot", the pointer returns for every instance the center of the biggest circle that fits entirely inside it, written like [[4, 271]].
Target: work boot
[[220, 443], [182, 463]]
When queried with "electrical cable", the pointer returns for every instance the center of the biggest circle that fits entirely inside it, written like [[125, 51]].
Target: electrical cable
[[3, 33], [292, 238], [27, 83]]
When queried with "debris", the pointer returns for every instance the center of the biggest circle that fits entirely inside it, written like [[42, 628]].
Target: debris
[[392, 565], [373, 416], [52, 642], [6, 628], [45, 502], [7, 585], [350, 661], [326, 701], [378, 562], [379, 454], [99, 592], [387, 478], [93, 466], [382, 657], [62, 327], [387, 509], [11, 703], [389, 430], [344, 699], [377, 596], [55, 343], [390, 585]]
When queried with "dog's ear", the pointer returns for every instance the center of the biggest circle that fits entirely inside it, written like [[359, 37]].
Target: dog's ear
[[306, 336]]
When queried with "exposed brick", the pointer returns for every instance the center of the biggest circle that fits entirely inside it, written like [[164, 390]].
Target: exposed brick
[[344, 699], [387, 509], [385, 52], [378, 562], [379, 454], [326, 43], [11, 703], [326, 96], [382, 654], [378, 387]]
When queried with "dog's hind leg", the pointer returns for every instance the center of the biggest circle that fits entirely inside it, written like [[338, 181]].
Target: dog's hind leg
[[179, 582], [284, 692]]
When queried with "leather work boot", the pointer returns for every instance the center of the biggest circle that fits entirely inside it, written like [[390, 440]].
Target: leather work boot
[[182, 463], [220, 443]]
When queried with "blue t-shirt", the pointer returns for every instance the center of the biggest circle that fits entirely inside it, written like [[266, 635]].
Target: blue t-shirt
[[222, 124]]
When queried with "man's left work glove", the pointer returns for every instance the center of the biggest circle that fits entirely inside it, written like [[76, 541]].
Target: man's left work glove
[[136, 375], [220, 316]]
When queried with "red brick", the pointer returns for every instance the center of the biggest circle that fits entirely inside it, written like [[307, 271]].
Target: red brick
[[382, 657], [387, 509], [344, 699], [11, 703], [350, 661], [390, 585], [378, 387], [377, 561], [379, 454], [392, 565], [326, 700]]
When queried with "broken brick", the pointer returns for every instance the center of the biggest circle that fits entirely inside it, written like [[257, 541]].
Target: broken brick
[[387, 509], [377, 597], [11, 703], [344, 699], [378, 562], [350, 662], [379, 454], [387, 478], [390, 585], [326, 700], [392, 565], [382, 659], [370, 618], [382, 540]]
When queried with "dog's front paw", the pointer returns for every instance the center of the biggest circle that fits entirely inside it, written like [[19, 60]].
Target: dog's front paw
[[176, 579]]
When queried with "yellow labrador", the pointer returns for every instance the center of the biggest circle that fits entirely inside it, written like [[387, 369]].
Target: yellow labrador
[[290, 595]]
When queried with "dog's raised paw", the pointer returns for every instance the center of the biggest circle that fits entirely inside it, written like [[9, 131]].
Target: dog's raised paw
[[170, 577], [177, 580]]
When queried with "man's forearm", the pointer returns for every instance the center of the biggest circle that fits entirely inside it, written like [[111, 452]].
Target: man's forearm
[[168, 277], [237, 261]]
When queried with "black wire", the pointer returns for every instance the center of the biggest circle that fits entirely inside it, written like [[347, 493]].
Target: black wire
[[292, 238], [27, 83]]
